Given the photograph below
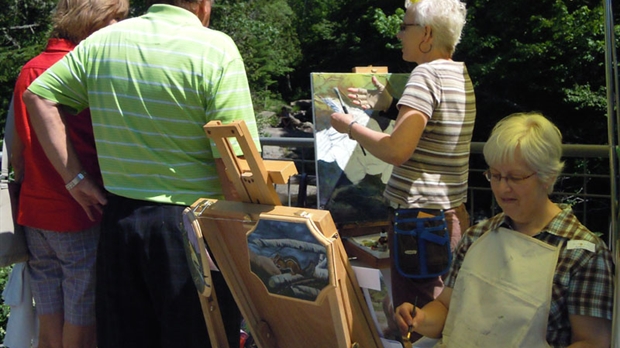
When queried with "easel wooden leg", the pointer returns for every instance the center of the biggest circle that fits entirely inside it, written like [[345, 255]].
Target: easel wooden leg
[[213, 319]]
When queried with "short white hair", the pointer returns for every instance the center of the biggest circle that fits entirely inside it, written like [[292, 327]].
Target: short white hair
[[446, 18], [538, 141]]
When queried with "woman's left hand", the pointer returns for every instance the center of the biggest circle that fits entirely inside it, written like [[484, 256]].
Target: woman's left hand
[[378, 99], [341, 122]]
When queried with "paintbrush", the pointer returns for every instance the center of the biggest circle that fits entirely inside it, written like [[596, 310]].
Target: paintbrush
[[344, 108], [346, 111], [410, 329]]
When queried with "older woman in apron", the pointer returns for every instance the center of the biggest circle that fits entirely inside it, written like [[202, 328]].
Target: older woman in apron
[[531, 276]]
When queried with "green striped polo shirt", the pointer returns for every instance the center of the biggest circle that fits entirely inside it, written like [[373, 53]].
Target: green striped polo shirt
[[435, 177], [152, 83]]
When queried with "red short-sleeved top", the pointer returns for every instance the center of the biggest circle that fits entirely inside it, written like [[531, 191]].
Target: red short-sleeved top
[[44, 201]]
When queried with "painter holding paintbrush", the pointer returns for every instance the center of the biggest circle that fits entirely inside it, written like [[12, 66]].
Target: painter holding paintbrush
[[531, 276], [430, 144]]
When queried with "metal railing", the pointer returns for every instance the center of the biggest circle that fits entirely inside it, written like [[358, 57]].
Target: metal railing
[[580, 185], [301, 151], [589, 192]]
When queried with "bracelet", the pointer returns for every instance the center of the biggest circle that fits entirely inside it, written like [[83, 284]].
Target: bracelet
[[71, 184], [349, 130]]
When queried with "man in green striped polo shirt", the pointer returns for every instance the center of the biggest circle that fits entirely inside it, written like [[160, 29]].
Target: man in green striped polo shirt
[[151, 83]]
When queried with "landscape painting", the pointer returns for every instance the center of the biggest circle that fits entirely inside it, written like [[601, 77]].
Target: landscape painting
[[288, 258], [350, 181]]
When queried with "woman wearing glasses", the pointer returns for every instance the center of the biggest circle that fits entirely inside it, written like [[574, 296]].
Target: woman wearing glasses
[[531, 276], [430, 143]]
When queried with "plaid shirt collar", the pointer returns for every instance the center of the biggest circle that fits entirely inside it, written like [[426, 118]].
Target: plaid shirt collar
[[557, 225]]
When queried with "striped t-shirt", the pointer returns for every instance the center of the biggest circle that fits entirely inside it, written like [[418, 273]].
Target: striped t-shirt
[[435, 177], [152, 83]]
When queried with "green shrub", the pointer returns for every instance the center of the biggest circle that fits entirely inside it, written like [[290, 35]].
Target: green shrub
[[4, 309]]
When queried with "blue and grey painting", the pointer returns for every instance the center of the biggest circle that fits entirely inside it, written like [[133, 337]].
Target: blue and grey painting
[[288, 259]]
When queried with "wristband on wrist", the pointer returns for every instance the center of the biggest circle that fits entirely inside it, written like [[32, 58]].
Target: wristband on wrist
[[349, 130], [350, 137], [71, 184]]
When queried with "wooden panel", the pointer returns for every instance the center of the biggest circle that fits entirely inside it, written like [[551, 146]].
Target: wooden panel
[[339, 317], [279, 171], [371, 69], [253, 185]]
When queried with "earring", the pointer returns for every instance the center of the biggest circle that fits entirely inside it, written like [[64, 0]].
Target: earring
[[429, 48]]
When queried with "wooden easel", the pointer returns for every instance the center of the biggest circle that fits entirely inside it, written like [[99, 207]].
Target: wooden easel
[[371, 69], [338, 316], [252, 189], [251, 177]]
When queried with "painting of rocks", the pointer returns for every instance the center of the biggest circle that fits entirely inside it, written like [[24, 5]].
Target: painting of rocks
[[350, 181]]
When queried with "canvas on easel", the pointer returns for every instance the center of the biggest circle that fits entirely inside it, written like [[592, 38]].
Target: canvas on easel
[[351, 181], [286, 266]]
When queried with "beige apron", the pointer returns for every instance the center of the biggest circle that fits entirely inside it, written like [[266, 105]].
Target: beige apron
[[502, 295]]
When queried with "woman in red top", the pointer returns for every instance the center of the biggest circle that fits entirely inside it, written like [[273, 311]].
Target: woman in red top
[[62, 240]]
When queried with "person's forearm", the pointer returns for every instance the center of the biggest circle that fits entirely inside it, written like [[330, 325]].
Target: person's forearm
[[590, 332], [395, 148], [16, 160], [14, 145], [51, 132], [603, 341], [584, 344], [380, 145], [435, 317]]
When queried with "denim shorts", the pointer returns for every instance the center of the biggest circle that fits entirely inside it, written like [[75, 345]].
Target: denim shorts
[[62, 271]]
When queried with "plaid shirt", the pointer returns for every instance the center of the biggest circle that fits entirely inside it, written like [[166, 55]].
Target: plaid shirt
[[583, 281]]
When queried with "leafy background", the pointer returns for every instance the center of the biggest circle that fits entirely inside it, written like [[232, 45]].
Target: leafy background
[[544, 55]]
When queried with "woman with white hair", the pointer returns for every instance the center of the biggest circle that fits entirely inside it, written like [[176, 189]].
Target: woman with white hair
[[430, 143], [531, 276]]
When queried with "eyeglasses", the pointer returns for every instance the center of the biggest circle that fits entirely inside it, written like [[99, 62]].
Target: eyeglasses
[[403, 26], [511, 180]]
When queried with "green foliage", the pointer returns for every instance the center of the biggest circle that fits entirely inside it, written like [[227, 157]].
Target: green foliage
[[4, 309], [531, 55], [138, 7], [388, 26], [337, 36], [266, 119], [24, 26], [543, 56], [25, 23], [263, 31]]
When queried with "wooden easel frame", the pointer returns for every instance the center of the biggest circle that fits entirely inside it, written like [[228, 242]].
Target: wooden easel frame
[[252, 178], [370, 69], [339, 314], [343, 317]]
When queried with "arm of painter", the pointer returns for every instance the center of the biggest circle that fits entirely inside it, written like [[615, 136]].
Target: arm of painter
[[429, 320], [15, 145], [395, 148], [590, 332], [50, 129], [378, 99]]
